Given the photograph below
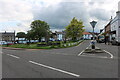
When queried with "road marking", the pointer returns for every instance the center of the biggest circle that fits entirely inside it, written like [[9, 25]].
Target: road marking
[[55, 69], [79, 44], [88, 46], [97, 47], [109, 53], [81, 53], [95, 56], [13, 56]]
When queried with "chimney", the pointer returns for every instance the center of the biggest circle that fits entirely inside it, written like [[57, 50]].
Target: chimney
[[119, 6], [111, 17], [101, 30]]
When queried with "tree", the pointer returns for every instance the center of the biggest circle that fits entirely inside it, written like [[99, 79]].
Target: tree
[[21, 35], [74, 29], [30, 35], [40, 29]]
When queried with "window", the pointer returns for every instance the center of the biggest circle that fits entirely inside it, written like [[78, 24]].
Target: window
[[119, 26]]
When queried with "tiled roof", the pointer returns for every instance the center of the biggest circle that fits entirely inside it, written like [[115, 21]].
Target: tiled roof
[[87, 33]]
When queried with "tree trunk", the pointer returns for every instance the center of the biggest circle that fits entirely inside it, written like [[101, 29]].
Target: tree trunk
[[74, 38], [46, 39], [39, 39]]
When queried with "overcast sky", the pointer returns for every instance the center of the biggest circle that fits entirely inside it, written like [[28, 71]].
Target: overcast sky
[[18, 14]]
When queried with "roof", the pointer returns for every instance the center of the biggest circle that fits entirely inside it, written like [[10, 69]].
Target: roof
[[62, 32], [86, 33], [7, 33]]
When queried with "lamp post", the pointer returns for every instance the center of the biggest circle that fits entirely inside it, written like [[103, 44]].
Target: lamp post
[[93, 23]]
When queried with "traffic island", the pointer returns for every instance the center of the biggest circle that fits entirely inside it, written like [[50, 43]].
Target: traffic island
[[93, 51]]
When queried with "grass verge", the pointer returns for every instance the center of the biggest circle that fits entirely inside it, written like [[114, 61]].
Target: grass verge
[[34, 46]]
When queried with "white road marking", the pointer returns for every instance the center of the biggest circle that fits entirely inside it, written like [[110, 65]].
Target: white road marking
[[97, 47], [13, 56], [109, 53], [81, 53], [55, 69], [88, 46], [79, 44], [95, 56]]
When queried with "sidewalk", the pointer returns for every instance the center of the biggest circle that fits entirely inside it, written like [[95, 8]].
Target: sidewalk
[[13, 48], [10, 48]]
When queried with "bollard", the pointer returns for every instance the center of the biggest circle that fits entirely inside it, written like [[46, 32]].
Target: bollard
[[92, 45]]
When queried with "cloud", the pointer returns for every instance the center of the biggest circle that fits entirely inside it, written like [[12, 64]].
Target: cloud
[[60, 15], [57, 14], [14, 11]]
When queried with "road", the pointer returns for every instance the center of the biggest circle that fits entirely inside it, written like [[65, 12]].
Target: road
[[61, 63]]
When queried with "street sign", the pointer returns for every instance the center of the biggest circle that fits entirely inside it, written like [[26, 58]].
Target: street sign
[[93, 23]]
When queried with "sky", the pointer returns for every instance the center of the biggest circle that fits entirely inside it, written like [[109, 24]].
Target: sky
[[18, 14]]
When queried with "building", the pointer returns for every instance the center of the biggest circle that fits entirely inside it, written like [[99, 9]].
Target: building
[[7, 36], [87, 35], [115, 28], [58, 36], [108, 30]]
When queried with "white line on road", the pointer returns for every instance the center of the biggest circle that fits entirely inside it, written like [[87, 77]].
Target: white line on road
[[109, 53], [95, 56], [81, 53], [55, 69], [88, 46], [13, 56], [79, 44]]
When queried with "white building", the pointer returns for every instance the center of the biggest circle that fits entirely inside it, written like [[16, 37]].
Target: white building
[[115, 28], [87, 35]]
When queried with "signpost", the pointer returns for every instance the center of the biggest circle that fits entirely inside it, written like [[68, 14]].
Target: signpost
[[93, 23]]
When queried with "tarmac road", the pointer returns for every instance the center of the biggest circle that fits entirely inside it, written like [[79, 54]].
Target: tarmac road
[[60, 63]]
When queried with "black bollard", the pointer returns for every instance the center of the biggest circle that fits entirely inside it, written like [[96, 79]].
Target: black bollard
[[93, 45]]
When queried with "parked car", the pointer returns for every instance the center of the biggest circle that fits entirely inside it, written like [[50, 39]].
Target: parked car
[[100, 39], [10, 43], [3, 42]]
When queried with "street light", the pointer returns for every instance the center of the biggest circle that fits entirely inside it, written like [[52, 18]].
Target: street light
[[93, 23]]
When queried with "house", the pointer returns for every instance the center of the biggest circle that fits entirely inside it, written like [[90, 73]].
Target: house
[[107, 28], [7, 36], [87, 35], [60, 35], [115, 29]]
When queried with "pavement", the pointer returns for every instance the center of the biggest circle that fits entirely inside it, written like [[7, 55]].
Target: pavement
[[61, 63]]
